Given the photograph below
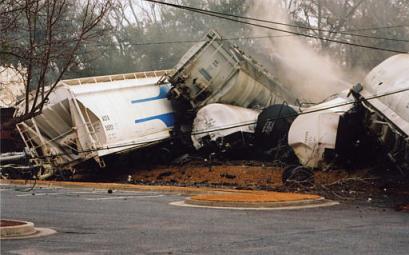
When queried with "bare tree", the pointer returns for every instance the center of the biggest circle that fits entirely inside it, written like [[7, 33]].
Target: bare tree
[[329, 17], [43, 36]]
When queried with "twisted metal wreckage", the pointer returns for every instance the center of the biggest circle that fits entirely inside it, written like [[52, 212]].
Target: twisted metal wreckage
[[217, 96]]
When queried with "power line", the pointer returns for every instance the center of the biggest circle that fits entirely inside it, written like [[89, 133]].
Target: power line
[[276, 22], [245, 37], [241, 124], [280, 30], [116, 47], [196, 41], [376, 28]]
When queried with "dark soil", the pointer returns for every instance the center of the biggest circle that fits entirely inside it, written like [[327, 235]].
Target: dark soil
[[9, 223]]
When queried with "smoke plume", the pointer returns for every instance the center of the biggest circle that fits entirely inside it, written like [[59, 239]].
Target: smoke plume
[[310, 75]]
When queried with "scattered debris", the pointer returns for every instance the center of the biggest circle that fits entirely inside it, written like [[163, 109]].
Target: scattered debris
[[228, 176], [297, 175], [403, 208], [164, 174]]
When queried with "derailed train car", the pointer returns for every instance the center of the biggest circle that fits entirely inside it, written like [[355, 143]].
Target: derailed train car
[[216, 95], [90, 118], [220, 127], [244, 133], [384, 96], [214, 71], [376, 111], [215, 78]]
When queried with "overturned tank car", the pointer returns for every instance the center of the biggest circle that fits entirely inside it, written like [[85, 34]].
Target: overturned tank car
[[373, 118], [384, 97], [220, 127]]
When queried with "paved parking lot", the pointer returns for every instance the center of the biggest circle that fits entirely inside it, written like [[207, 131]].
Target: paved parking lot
[[91, 221]]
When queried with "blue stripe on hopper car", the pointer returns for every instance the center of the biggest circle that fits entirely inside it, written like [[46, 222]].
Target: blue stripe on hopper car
[[167, 118], [163, 92]]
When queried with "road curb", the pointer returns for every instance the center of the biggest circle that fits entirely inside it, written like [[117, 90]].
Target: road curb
[[256, 200], [250, 204], [323, 203], [22, 230], [18, 229]]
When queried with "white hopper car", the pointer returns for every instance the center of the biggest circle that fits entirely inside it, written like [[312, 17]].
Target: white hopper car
[[214, 71], [93, 117]]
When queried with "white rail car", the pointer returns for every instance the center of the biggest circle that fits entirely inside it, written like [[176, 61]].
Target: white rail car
[[382, 102], [315, 130], [214, 71], [214, 123], [385, 96], [97, 116]]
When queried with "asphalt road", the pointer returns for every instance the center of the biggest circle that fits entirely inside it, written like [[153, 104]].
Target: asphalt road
[[94, 222]]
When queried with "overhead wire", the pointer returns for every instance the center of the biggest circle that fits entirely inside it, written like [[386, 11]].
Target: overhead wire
[[345, 32], [223, 16], [115, 47], [281, 23], [196, 41], [377, 28]]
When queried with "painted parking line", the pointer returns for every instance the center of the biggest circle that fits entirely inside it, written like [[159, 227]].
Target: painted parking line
[[57, 194], [96, 192], [121, 197]]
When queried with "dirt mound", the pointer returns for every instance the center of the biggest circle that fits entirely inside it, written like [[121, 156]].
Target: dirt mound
[[345, 185], [236, 175]]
